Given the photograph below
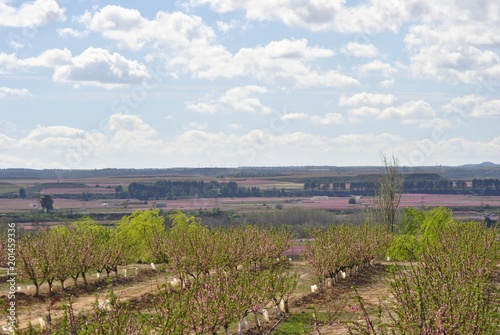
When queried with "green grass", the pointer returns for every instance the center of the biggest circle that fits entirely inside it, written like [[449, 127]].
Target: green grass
[[6, 188], [296, 324]]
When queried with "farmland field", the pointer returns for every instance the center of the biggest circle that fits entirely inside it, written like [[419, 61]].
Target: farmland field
[[254, 203], [335, 307]]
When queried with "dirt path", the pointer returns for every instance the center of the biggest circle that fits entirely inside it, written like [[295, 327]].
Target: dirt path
[[330, 301], [337, 304], [31, 309]]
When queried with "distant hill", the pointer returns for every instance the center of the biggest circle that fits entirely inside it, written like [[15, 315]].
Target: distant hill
[[469, 171], [482, 165]]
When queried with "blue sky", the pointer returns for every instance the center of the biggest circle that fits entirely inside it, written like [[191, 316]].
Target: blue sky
[[227, 83]]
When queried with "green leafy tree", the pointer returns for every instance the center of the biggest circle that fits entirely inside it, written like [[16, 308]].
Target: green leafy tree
[[139, 230], [420, 228]]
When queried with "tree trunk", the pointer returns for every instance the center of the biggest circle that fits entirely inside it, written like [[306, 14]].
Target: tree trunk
[[37, 289], [75, 279], [62, 284], [84, 279], [50, 286], [257, 323]]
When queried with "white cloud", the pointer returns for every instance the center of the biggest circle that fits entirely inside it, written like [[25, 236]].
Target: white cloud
[[129, 141], [456, 43], [447, 151], [237, 99], [319, 15], [176, 30], [437, 123], [473, 105], [225, 27], [329, 118], [98, 67], [196, 125], [387, 83], [295, 116], [489, 108], [364, 111], [360, 50], [8, 62], [49, 58], [70, 32], [94, 66], [367, 138], [120, 123], [286, 62], [418, 109], [234, 126], [365, 98], [385, 69], [187, 45], [412, 112], [13, 92], [42, 133], [30, 14]]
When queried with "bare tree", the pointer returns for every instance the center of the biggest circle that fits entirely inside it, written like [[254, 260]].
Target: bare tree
[[390, 188]]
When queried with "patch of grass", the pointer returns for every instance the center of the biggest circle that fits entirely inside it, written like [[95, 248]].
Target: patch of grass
[[6, 188], [296, 324]]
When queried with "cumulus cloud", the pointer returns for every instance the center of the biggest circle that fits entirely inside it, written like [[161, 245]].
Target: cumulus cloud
[[286, 62], [473, 105], [418, 109], [129, 141], [94, 66], [364, 111], [317, 15], [99, 67], [70, 32], [329, 118], [450, 151], [190, 46], [360, 50], [365, 98], [295, 116], [30, 14], [456, 43], [237, 99], [13, 92], [417, 112], [376, 66]]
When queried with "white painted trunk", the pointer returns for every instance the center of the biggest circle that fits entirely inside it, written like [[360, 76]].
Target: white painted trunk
[[284, 306], [265, 314]]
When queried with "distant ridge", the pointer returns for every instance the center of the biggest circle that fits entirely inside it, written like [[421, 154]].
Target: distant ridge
[[468, 171], [483, 164]]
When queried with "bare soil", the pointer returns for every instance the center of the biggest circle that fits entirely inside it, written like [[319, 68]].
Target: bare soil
[[334, 301]]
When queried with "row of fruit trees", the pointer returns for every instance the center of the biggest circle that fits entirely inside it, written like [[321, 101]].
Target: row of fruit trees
[[218, 276]]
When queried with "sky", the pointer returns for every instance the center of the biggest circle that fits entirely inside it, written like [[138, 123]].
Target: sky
[[226, 83]]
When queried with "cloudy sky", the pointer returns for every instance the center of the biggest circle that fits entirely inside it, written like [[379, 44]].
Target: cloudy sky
[[227, 83]]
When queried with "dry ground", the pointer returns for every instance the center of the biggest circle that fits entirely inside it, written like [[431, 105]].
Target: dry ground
[[335, 303]]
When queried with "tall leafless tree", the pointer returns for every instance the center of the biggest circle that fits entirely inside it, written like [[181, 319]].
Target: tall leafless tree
[[390, 188]]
